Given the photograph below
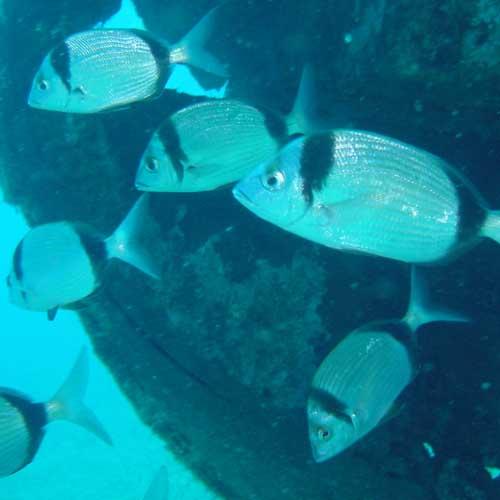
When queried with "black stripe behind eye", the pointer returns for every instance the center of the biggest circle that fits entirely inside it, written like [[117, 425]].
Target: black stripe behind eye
[[171, 142], [59, 59], [17, 261], [316, 163], [331, 404]]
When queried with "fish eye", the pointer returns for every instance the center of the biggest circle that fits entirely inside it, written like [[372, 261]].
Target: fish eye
[[274, 181], [43, 84], [152, 164], [324, 434]]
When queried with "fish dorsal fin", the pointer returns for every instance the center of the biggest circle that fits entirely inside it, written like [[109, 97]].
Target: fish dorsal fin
[[335, 406], [420, 312], [51, 313], [126, 17], [299, 120]]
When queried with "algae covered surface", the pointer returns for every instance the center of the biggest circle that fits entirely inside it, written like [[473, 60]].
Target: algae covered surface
[[217, 357]]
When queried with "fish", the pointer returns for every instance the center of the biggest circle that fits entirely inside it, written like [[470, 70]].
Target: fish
[[210, 144], [362, 192], [158, 490], [361, 379], [101, 70], [23, 422], [59, 263], [181, 79]]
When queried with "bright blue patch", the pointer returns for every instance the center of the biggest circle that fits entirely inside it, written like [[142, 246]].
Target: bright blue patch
[[126, 17], [182, 80]]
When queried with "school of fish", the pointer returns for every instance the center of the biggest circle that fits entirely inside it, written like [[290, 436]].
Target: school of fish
[[350, 190]]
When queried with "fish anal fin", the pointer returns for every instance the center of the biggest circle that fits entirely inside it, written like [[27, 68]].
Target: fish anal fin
[[52, 313]]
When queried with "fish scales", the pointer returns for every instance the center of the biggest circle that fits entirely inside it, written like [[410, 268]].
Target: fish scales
[[235, 129], [116, 62], [398, 182], [14, 438], [362, 192], [57, 262], [222, 141], [367, 368]]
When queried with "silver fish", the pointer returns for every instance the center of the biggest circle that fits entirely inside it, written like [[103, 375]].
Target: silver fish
[[359, 381], [158, 490], [363, 192], [59, 263], [107, 69], [23, 422], [214, 143]]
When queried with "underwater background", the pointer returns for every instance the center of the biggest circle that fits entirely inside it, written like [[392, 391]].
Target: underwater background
[[216, 359]]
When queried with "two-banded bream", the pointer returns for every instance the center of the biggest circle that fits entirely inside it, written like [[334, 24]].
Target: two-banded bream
[[359, 381], [59, 263], [23, 421], [108, 69], [363, 192], [214, 143]]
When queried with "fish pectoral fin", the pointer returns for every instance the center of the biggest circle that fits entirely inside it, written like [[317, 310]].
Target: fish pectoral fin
[[348, 415], [51, 313], [330, 210], [394, 411]]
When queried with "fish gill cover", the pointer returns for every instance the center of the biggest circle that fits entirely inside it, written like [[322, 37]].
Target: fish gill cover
[[218, 356]]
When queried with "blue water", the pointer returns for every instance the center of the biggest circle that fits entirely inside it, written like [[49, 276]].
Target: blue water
[[35, 357]]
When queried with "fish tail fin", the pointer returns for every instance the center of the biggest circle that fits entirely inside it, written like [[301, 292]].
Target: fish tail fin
[[127, 244], [67, 403], [125, 17], [192, 47], [420, 311], [158, 490], [491, 227], [301, 120]]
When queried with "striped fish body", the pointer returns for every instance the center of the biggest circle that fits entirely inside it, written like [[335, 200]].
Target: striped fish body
[[99, 70], [54, 265], [363, 192], [355, 386], [21, 431], [208, 145]]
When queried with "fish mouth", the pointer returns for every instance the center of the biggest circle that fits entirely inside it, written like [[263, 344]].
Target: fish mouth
[[141, 186], [34, 103], [319, 456], [242, 197]]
